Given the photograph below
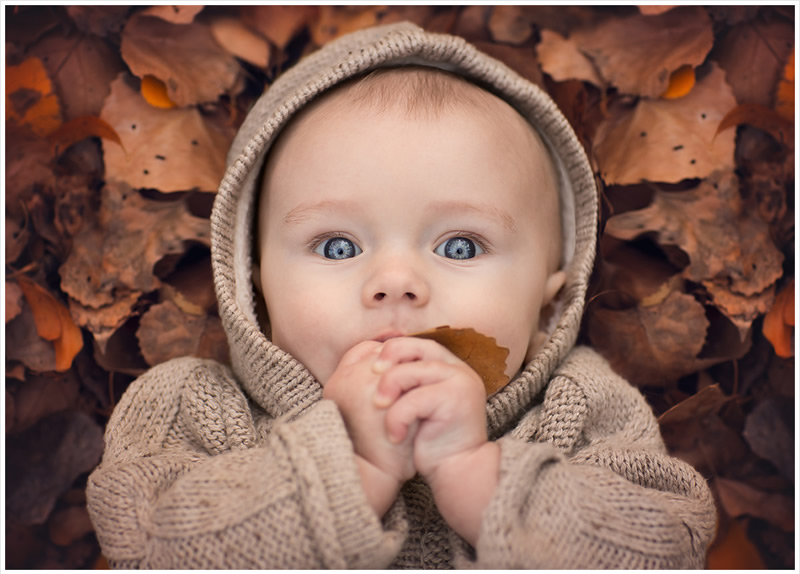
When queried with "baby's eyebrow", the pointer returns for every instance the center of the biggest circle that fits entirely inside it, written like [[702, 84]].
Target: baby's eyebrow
[[302, 212], [482, 209]]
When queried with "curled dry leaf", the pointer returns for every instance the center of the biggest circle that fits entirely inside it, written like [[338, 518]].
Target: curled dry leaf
[[30, 99], [154, 92], [668, 140], [778, 325], [480, 352], [241, 41], [168, 150], [681, 82], [184, 56], [82, 67], [763, 118], [653, 345], [111, 262], [79, 129], [183, 14], [278, 24], [637, 54], [562, 60], [509, 24], [728, 247], [753, 54], [784, 95], [167, 332]]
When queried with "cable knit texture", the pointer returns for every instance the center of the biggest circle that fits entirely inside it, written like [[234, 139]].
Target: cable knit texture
[[209, 466]]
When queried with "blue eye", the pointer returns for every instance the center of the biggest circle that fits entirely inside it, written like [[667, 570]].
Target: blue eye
[[459, 248], [337, 248]]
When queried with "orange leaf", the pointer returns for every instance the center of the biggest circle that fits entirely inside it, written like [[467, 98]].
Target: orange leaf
[[760, 117], [71, 341], [154, 92], [784, 97], [480, 352], [78, 130], [734, 551], [44, 307], [30, 98], [779, 322], [53, 322], [681, 83]]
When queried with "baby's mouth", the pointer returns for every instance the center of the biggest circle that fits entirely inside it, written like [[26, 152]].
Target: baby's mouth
[[386, 335]]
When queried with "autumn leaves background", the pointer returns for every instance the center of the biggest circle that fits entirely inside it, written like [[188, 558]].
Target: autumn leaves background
[[118, 120]]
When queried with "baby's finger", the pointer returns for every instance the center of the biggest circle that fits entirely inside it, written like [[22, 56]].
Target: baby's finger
[[409, 409], [406, 376], [359, 352], [409, 349]]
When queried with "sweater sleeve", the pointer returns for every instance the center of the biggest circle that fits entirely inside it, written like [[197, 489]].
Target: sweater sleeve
[[186, 482], [586, 482]]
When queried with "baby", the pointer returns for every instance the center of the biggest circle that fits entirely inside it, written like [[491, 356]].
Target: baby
[[393, 182]]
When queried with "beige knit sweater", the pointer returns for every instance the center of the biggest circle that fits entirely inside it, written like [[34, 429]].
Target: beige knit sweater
[[208, 466]]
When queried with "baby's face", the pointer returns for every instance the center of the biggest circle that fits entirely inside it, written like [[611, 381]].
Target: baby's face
[[373, 225]]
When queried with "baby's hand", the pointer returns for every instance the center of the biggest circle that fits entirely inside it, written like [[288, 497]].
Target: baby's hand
[[423, 383], [352, 386]]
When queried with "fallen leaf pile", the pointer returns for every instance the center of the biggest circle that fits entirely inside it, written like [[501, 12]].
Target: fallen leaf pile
[[118, 120]]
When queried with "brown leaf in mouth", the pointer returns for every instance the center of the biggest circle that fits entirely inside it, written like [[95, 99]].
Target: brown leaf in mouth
[[480, 352]]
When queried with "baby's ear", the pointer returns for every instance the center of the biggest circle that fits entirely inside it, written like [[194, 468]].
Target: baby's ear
[[552, 286]]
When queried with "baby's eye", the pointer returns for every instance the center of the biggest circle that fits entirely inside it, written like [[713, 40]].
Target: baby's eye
[[337, 248], [459, 248]]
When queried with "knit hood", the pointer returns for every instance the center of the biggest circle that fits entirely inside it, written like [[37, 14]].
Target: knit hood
[[273, 378]]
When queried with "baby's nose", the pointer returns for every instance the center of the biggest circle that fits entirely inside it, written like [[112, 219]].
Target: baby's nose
[[395, 284]]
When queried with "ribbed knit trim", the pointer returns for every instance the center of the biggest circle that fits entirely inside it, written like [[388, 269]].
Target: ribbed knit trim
[[270, 376]]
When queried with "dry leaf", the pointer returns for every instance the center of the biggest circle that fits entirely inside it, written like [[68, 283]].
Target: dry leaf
[[13, 296], [100, 20], [638, 53], [79, 129], [278, 24], [784, 95], [742, 310], [480, 352], [53, 323], [154, 92], [778, 325], [739, 499], [734, 550], [30, 99], [653, 345], [168, 150], [710, 225], [332, 22], [28, 166], [763, 118], [241, 41], [668, 140], [69, 524], [184, 56], [43, 395], [24, 344], [73, 444], [654, 10], [562, 60], [166, 332], [112, 260], [82, 66], [753, 54], [769, 432], [509, 24], [681, 82], [177, 14], [695, 408], [520, 59]]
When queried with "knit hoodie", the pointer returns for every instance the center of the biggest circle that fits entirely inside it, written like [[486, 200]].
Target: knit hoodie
[[209, 466]]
